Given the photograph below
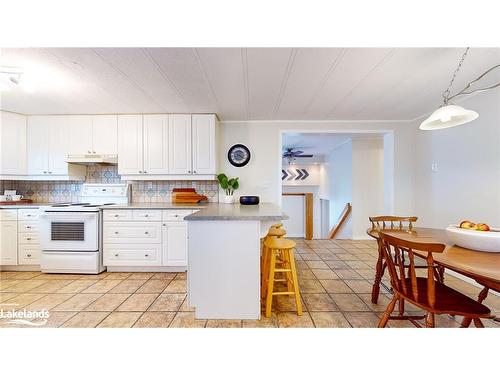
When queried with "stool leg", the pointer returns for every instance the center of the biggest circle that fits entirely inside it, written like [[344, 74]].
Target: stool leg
[[295, 282], [264, 271], [288, 277], [270, 282]]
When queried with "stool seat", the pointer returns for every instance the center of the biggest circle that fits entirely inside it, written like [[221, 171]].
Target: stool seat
[[276, 232], [279, 243]]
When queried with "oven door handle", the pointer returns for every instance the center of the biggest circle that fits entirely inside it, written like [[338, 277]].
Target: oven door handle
[[68, 216]]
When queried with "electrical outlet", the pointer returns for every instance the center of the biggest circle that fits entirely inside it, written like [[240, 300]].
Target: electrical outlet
[[434, 167]]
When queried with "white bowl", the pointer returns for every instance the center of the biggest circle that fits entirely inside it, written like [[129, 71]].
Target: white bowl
[[474, 239]]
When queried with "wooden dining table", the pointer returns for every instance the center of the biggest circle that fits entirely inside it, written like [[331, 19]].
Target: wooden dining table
[[482, 267]]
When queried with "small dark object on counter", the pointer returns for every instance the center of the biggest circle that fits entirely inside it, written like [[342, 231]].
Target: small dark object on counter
[[249, 200]]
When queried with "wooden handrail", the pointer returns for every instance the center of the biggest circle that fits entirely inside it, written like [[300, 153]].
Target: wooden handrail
[[343, 217]]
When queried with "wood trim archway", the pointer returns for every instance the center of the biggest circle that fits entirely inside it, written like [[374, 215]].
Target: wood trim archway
[[309, 218]]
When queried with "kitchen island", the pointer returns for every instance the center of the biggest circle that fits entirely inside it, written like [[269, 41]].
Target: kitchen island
[[224, 259]]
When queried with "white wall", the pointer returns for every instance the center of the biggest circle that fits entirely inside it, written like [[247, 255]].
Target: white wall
[[340, 176], [367, 183], [262, 175], [316, 205], [467, 183]]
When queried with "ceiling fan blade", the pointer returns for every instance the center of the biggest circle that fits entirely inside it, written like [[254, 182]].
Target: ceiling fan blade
[[304, 156], [298, 152]]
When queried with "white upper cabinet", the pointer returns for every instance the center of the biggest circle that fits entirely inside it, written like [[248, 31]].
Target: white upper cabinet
[[180, 144], [12, 144], [48, 145], [93, 135], [38, 145], [203, 141], [80, 139], [130, 145], [155, 133], [59, 132], [104, 135]]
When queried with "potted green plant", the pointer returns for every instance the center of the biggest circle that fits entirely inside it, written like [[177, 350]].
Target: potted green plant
[[229, 185]]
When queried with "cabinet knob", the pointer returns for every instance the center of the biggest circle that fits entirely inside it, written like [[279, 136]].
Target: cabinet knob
[[140, 171], [164, 225], [88, 152], [93, 152], [116, 215], [29, 215], [194, 171], [28, 255], [116, 255], [176, 215], [116, 232], [50, 172], [44, 171], [146, 255], [146, 232], [144, 171], [28, 238], [190, 172], [28, 226], [146, 215]]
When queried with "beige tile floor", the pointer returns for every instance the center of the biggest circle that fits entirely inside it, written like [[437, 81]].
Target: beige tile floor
[[335, 278]]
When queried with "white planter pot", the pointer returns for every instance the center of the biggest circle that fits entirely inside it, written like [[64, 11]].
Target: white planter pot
[[229, 199]]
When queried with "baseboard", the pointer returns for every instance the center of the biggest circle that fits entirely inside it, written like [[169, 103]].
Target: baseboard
[[26, 268], [146, 269]]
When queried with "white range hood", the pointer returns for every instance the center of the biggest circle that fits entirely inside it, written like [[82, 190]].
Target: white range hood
[[89, 159]]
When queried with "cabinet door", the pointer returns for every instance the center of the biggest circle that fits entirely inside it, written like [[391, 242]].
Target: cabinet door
[[130, 149], [204, 155], [12, 144], [8, 243], [175, 244], [104, 135], [59, 131], [80, 136], [38, 145], [156, 144], [179, 146]]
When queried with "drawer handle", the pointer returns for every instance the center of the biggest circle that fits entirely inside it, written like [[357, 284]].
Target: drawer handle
[[116, 255], [29, 215], [117, 215], [28, 255], [146, 215], [28, 238], [146, 232], [28, 226], [176, 215], [146, 255]]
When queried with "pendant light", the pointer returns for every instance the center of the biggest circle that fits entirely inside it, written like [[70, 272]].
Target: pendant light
[[449, 114]]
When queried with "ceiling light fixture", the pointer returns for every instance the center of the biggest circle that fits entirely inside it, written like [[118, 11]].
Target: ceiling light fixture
[[11, 77], [449, 114]]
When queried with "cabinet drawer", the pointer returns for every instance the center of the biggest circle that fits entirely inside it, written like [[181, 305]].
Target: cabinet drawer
[[28, 214], [117, 215], [175, 215], [123, 255], [8, 214], [139, 233], [28, 238], [27, 226], [29, 254], [146, 215]]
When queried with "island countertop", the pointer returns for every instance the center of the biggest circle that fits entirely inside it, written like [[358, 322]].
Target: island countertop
[[157, 206], [222, 211]]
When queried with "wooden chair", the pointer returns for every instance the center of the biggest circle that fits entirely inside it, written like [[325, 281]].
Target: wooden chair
[[425, 292], [379, 223]]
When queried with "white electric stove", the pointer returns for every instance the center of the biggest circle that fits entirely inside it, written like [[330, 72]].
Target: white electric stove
[[71, 233]]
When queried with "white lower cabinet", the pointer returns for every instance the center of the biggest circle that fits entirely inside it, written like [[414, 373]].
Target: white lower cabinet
[[19, 237], [142, 238], [175, 240], [8, 242]]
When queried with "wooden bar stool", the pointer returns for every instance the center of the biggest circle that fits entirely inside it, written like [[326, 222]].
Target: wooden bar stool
[[281, 247], [264, 259]]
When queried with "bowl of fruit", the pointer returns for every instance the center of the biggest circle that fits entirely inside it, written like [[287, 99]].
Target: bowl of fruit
[[475, 236]]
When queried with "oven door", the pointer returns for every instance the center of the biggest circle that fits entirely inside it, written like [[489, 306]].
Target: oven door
[[69, 231]]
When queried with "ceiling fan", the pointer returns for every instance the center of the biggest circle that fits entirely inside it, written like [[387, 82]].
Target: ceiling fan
[[291, 154]]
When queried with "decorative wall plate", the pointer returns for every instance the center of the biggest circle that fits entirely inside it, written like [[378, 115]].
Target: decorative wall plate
[[238, 155]]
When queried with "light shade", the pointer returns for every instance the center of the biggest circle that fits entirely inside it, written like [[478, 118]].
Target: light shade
[[448, 116]]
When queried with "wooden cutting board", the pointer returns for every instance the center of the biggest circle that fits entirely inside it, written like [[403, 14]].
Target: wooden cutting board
[[12, 203]]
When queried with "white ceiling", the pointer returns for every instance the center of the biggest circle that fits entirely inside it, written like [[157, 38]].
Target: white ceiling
[[242, 83]]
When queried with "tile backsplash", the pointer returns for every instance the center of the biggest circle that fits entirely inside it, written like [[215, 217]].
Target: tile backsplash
[[142, 191]]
